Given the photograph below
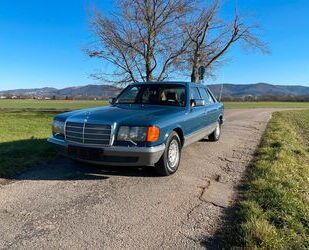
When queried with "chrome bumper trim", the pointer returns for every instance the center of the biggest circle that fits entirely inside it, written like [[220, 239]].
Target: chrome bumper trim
[[146, 155]]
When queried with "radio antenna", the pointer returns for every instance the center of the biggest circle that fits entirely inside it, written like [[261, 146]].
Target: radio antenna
[[221, 92], [221, 89]]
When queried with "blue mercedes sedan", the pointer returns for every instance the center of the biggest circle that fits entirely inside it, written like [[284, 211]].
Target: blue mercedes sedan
[[148, 124]]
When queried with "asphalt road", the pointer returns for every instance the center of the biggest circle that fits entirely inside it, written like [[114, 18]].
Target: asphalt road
[[67, 205]]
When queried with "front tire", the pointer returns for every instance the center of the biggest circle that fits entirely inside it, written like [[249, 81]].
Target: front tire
[[169, 162], [215, 136]]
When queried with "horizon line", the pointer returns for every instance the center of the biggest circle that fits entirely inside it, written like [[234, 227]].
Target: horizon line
[[115, 85]]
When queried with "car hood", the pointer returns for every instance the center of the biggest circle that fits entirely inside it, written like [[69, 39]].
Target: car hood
[[122, 114]]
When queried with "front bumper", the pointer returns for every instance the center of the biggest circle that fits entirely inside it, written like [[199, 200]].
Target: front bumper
[[115, 155]]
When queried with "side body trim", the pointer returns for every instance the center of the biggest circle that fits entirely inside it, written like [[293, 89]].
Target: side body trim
[[200, 134]]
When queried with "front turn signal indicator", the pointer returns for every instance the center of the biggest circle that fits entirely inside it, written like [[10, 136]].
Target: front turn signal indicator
[[153, 133]]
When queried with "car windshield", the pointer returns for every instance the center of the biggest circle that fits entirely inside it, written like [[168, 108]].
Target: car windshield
[[155, 94]]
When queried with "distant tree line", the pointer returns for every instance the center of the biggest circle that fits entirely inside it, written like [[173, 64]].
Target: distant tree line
[[47, 97], [249, 98], [155, 40]]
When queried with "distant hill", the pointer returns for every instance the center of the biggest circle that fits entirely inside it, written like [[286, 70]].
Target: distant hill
[[87, 91], [37, 91], [258, 91]]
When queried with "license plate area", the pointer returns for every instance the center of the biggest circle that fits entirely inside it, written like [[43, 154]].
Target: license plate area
[[85, 153]]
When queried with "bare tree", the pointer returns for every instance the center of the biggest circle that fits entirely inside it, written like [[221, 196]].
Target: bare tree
[[144, 41], [211, 38], [149, 40]]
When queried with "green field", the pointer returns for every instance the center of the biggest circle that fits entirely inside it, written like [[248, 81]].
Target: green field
[[48, 104], [23, 140], [274, 213], [71, 105]]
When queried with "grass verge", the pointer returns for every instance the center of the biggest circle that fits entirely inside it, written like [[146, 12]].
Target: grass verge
[[23, 141], [275, 210]]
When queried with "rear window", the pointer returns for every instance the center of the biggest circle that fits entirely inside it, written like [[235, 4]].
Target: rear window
[[211, 96], [205, 95]]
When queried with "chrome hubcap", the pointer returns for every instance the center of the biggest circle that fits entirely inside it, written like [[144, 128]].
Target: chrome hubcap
[[217, 131], [173, 154]]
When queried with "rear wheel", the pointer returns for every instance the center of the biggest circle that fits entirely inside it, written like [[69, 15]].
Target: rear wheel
[[215, 136], [169, 162]]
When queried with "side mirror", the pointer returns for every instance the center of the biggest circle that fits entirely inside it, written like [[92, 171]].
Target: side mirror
[[111, 100], [197, 102]]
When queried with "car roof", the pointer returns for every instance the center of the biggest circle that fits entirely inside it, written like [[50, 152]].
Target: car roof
[[191, 84]]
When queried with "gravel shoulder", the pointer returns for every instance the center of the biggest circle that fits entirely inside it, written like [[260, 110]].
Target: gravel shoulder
[[67, 205]]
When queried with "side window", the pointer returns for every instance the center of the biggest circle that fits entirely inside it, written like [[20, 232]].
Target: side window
[[195, 94], [213, 100], [205, 95]]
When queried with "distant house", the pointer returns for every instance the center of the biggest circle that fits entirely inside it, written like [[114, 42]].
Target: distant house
[[14, 97], [3, 97]]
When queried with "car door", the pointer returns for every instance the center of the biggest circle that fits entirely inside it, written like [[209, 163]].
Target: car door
[[205, 97], [210, 106], [195, 117], [217, 106]]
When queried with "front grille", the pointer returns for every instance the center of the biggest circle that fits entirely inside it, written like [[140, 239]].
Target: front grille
[[85, 133]]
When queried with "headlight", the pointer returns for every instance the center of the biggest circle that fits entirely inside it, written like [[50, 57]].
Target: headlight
[[150, 134], [123, 133], [58, 127], [126, 133]]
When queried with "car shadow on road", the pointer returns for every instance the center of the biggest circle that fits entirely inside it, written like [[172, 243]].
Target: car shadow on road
[[22, 160], [66, 169]]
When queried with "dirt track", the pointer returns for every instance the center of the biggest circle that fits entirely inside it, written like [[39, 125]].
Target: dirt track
[[63, 205]]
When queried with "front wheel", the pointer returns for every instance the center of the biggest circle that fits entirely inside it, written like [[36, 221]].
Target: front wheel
[[169, 162], [215, 136]]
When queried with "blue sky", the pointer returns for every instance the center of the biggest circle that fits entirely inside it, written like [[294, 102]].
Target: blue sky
[[41, 43]]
